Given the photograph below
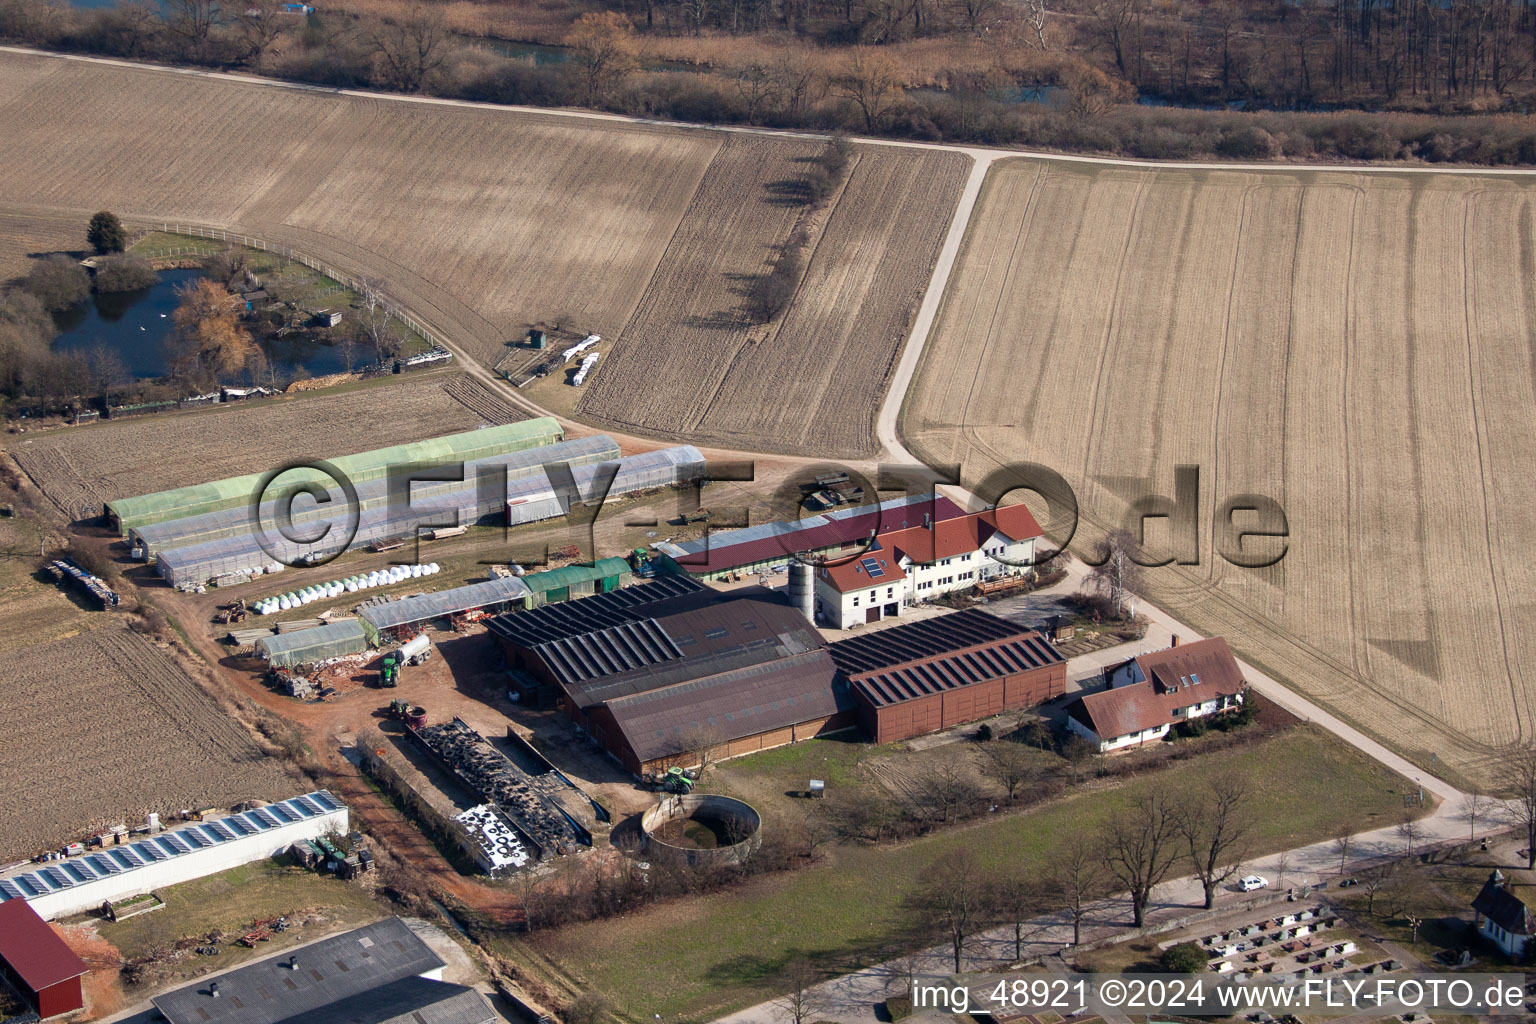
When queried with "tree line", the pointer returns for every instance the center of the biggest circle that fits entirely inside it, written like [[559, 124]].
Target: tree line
[[1447, 55]]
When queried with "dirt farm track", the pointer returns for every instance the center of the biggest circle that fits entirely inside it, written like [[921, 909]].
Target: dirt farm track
[[1357, 347], [484, 221], [128, 732]]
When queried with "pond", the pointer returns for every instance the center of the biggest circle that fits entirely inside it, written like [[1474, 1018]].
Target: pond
[[136, 325]]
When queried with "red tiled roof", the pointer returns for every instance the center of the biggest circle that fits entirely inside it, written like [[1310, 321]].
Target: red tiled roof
[[33, 950], [962, 534], [1169, 684], [718, 550], [854, 575]]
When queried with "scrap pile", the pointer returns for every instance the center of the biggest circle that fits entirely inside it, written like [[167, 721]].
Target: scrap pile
[[491, 774]]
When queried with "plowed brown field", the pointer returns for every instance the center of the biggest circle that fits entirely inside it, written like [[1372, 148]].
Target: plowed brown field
[[80, 468], [813, 383], [1355, 346], [482, 221], [104, 727]]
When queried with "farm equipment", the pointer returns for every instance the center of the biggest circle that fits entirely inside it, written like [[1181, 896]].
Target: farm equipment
[[416, 650], [402, 711], [387, 544], [389, 670], [640, 561], [697, 516], [675, 780]]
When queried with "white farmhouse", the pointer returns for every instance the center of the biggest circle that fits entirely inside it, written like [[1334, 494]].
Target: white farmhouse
[[916, 564], [1150, 694]]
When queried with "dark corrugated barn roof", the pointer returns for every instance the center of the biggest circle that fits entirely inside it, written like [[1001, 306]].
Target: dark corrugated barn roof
[[342, 967], [953, 671], [603, 652], [583, 615], [410, 1000], [742, 702], [924, 638]]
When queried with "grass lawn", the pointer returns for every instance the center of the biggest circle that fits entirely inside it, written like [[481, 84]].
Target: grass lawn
[[231, 900], [702, 957]]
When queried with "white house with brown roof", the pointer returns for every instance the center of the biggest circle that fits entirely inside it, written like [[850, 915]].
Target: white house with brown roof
[[1151, 694], [904, 567]]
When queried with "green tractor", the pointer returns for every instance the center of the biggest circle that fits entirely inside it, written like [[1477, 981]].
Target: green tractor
[[389, 671], [676, 781]]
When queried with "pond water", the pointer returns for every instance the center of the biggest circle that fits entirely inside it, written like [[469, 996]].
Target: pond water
[[136, 325]]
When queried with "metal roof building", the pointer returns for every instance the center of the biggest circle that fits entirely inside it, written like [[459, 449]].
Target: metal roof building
[[936, 673], [369, 465], [381, 973], [759, 547], [649, 670], [494, 594], [39, 963], [307, 646], [64, 887]]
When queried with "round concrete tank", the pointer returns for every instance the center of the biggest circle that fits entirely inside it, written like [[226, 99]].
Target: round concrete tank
[[802, 589], [701, 829]]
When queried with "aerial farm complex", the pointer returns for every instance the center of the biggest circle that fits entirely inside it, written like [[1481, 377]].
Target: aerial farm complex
[[462, 563]]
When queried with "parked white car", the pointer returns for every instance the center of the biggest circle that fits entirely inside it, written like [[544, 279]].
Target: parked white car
[[1252, 882]]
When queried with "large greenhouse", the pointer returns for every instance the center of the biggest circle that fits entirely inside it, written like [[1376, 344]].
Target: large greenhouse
[[307, 646], [533, 499], [603, 576], [127, 513], [372, 494], [495, 595], [542, 495]]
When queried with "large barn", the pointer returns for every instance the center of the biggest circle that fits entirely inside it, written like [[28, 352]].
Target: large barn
[[937, 673], [657, 672]]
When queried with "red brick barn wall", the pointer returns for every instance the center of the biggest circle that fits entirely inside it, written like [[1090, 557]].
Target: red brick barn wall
[[1027, 689], [964, 704]]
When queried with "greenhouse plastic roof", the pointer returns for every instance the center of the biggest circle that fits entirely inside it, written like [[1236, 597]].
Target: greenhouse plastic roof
[[300, 645], [184, 531], [554, 579], [422, 607], [368, 465], [65, 874]]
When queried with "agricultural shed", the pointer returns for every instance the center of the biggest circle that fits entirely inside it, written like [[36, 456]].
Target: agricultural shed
[[37, 962], [493, 595], [306, 646], [233, 492], [601, 577], [381, 973], [720, 553], [425, 494], [937, 673], [648, 680], [72, 886]]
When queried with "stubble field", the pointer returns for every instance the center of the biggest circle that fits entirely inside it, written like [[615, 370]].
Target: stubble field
[[483, 221], [1355, 346], [81, 468], [104, 727]]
